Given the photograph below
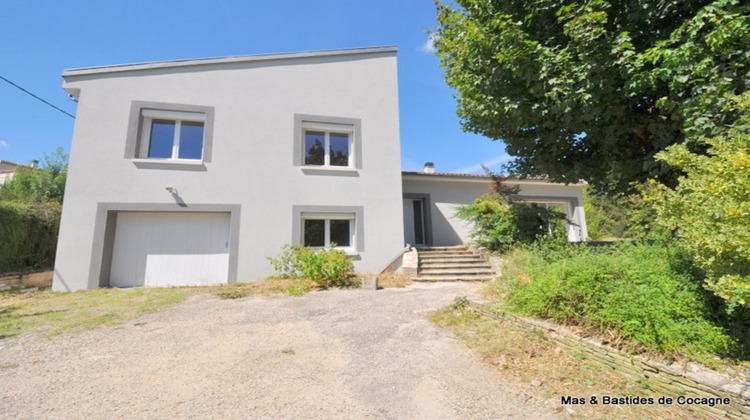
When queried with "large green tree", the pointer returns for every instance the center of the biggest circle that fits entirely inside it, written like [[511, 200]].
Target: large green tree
[[594, 89]]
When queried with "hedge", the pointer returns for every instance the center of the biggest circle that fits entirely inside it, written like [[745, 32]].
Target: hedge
[[28, 235]]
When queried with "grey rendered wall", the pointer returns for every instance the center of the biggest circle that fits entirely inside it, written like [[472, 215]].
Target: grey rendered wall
[[251, 163], [446, 195]]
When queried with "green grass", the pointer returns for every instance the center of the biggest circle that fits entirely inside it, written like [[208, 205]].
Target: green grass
[[50, 313]]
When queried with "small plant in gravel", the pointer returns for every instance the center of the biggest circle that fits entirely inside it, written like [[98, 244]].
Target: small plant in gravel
[[232, 294], [298, 290], [460, 302]]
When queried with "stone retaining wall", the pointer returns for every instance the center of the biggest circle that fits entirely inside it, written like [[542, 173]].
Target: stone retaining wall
[[667, 380]]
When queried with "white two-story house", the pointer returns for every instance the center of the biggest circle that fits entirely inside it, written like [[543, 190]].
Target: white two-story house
[[195, 171]]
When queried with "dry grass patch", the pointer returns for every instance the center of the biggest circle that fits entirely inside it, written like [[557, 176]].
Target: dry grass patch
[[292, 287], [48, 313], [532, 358], [393, 280]]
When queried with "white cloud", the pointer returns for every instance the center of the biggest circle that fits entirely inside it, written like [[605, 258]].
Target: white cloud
[[477, 167], [429, 45], [4, 143]]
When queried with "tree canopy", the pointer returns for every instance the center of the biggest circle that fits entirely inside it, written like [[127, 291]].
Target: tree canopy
[[594, 90]]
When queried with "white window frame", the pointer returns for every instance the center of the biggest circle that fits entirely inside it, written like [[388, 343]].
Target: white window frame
[[149, 115], [327, 217], [327, 129]]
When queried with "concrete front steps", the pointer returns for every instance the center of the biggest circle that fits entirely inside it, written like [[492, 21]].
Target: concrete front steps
[[454, 263]]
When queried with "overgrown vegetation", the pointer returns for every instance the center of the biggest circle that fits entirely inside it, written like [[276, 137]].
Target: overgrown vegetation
[[43, 185], [500, 220], [709, 210], [326, 267], [28, 235], [648, 102], [644, 297], [30, 209]]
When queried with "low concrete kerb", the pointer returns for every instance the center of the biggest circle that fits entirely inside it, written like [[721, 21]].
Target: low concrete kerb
[[675, 380], [370, 283]]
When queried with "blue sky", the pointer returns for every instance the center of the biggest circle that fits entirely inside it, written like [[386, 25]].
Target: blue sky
[[42, 38]]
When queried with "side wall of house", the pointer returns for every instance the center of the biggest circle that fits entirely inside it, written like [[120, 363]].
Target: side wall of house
[[253, 172], [445, 194]]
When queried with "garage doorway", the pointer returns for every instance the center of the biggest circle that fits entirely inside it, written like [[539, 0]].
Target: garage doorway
[[160, 249]]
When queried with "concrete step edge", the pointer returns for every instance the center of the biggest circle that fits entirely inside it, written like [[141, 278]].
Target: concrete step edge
[[467, 256], [443, 265], [455, 272], [451, 278]]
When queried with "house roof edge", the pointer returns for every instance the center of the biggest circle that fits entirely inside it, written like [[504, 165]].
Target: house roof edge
[[450, 176], [118, 68]]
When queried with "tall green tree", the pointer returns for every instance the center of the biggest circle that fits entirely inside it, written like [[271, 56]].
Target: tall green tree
[[594, 89]]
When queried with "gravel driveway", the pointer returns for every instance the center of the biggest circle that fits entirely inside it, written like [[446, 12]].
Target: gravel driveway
[[333, 354]]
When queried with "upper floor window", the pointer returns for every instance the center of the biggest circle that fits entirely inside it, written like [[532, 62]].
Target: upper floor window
[[169, 134], [172, 135], [328, 144]]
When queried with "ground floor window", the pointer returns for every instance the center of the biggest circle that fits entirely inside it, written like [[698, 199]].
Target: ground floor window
[[326, 229]]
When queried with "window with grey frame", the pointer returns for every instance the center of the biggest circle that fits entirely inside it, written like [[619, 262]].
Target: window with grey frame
[[169, 133], [328, 229], [172, 135], [327, 145], [324, 143]]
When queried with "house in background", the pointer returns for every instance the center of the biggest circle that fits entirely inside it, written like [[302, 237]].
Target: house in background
[[195, 171], [8, 169], [431, 200]]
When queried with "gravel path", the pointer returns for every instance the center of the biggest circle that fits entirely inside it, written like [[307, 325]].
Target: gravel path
[[333, 354]]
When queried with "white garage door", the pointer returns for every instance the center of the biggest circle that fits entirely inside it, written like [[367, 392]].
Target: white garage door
[[170, 249]]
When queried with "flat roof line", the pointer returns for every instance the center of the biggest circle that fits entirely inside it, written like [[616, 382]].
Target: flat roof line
[[224, 60], [451, 176]]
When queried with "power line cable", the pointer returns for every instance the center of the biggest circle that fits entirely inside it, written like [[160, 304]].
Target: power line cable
[[19, 87]]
